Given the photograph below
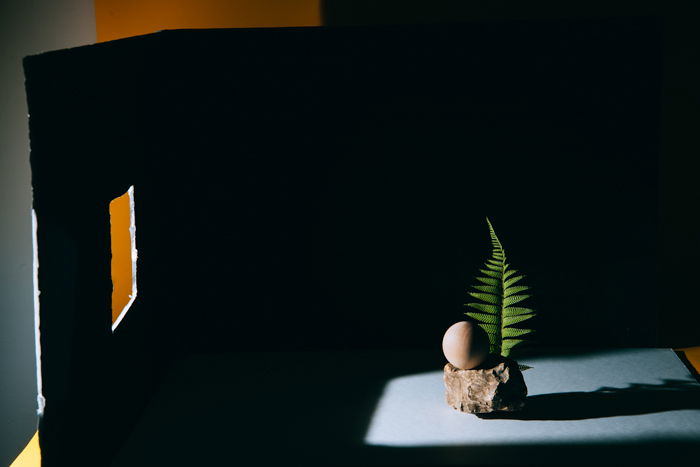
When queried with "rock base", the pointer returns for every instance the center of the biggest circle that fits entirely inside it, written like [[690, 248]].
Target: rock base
[[496, 385]]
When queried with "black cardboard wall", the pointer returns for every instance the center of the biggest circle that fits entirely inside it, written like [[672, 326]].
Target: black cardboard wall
[[325, 188]]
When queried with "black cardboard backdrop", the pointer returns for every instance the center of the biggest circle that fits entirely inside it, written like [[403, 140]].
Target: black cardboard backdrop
[[326, 188]]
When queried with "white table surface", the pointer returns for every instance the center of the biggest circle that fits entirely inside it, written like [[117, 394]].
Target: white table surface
[[388, 408], [412, 411]]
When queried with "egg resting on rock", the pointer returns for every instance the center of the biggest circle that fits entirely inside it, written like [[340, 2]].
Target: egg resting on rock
[[465, 345]]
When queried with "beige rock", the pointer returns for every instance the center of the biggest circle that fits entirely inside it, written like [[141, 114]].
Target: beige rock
[[496, 385]]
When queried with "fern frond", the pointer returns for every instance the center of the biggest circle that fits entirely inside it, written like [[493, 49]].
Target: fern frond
[[513, 290], [510, 320], [487, 297], [487, 288], [490, 273], [492, 309], [508, 345], [516, 311], [483, 317], [513, 299], [507, 283], [515, 332], [491, 329], [509, 273], [497, 295], [489, 280]]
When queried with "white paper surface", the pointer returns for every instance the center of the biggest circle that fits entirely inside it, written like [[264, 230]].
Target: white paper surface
[[412, 411]]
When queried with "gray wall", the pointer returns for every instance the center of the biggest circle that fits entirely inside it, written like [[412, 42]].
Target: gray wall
[[26, 27]]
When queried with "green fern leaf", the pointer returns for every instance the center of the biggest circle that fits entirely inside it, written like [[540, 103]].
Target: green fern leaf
[[512, 342], [516, 311], [491, 309], [489, 280], [483, 317], [491, 329], [509, 273], [487, 297], [497, 293], [515, 332], [488, 288], [513, 299], [495, 274], [508, 345], [510, 320], [507, 283], [513, 290]]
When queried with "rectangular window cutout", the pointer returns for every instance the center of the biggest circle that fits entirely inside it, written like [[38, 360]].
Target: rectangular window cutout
[[123, 241]]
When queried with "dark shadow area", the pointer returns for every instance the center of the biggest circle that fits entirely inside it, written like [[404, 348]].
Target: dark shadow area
[[678, 164], [645, 452], [637, 399], [266, 408], [314, 408]]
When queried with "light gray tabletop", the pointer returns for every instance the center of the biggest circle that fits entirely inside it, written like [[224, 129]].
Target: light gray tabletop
[[612, 396], [621, 407]]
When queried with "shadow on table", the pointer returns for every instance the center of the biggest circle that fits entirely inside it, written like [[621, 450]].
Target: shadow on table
[[645, 452], [292, 408], [636, 399], [314, 408]]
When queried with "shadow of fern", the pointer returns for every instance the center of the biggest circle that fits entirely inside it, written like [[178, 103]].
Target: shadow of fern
[[636, 399]]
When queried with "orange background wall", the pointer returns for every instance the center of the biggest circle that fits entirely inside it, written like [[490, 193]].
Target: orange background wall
[[123, 18], [116, 19]]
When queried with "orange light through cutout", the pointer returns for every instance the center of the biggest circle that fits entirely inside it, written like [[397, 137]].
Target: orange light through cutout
[[123, 240]]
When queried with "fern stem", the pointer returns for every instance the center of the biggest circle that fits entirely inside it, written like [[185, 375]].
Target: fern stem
[[503, 299], [499, 248]]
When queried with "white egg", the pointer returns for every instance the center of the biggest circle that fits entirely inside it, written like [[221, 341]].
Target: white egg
[[465, 345]]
